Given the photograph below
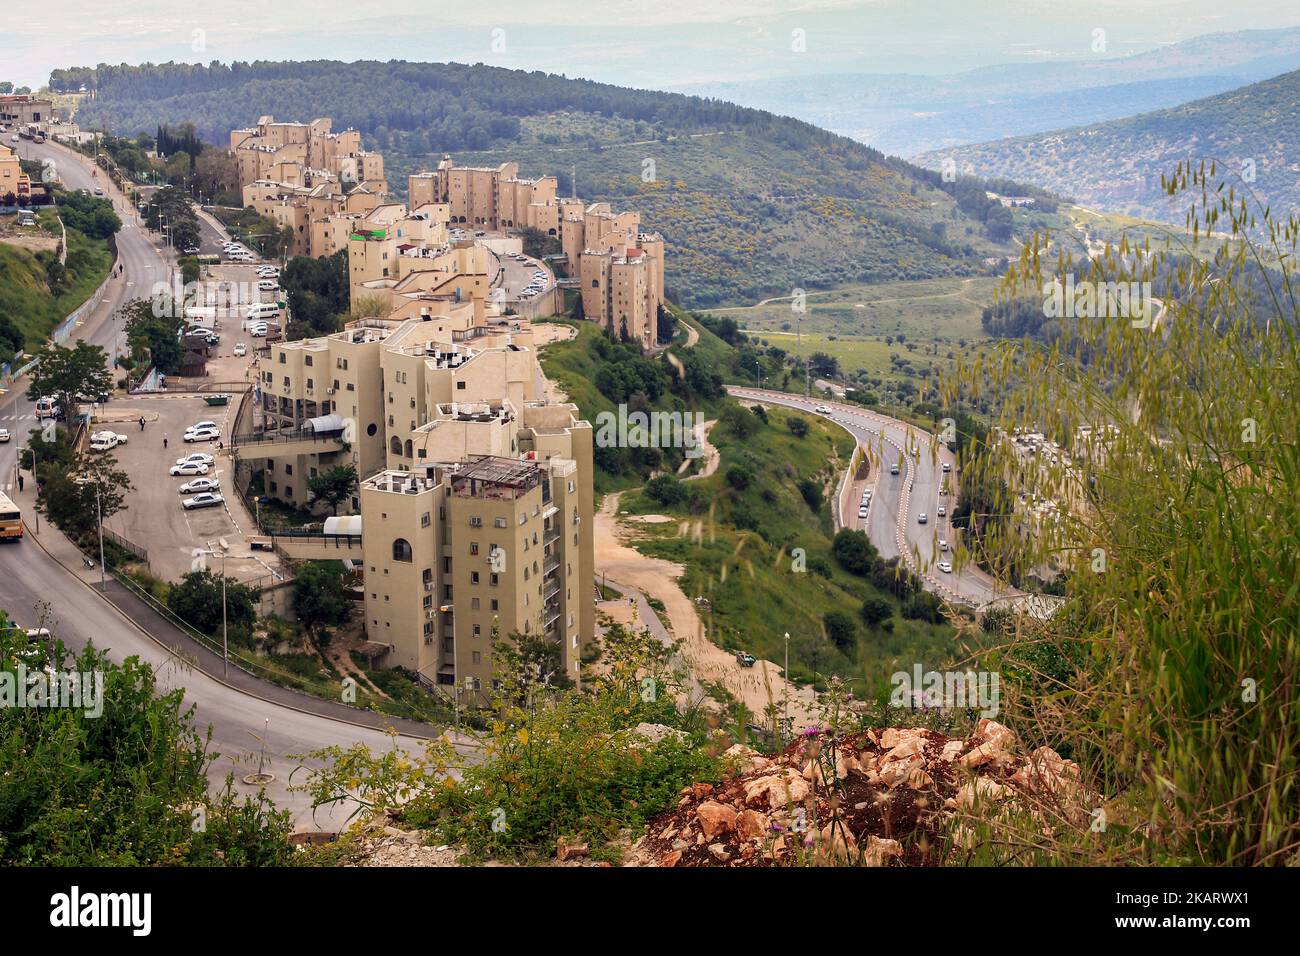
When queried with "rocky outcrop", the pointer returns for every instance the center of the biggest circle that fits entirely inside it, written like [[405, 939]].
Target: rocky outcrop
[[888, 797]]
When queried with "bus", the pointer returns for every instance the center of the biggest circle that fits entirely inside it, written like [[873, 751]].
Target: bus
[[11, 519]]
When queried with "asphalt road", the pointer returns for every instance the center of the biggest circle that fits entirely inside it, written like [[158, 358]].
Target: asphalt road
[[28, 576], [893, 520], [142, 264]]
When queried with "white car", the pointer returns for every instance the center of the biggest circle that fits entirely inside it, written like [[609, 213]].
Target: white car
[[241, 348], [947, 467], [867, 494], [188, 469], [103, 441], [922, 518], [208, 499], [198, 485], [4, 435], [203, 434], [199, 457], [945, 567], [941, 511], [943, 545], [257, 331], [822, 410], [862, 512], [203, 424], [268, 285]]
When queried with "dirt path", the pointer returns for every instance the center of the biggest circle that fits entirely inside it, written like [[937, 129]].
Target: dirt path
[[712, 457], [755, 687]]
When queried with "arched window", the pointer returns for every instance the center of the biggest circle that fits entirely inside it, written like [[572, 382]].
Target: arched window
[[595, 283], [395, 445], [401, 550], [409, 453]]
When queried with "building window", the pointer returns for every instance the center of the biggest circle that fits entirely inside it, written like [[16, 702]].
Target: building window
[[473, 577], [473, 548], [395, 446], [499, 522], [475, 521], [496, 605], [401, 550]]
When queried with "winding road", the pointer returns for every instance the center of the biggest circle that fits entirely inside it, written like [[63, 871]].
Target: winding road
[[246, 728], [893, 523]]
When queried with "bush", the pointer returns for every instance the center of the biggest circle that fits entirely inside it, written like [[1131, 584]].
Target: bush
[[854, 551], [841, 629], [798, 426], [666, 490]]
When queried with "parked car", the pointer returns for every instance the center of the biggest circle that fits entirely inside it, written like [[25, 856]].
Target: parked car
[[103, 441], [4, 435], [209, 499], [862, 512], [191, 250], [941, 511], [943, 545], [198, 485], [188, 469], [241, 348], [257, 330], [203, 424], [203, 434], [201, 457], [945, 567]]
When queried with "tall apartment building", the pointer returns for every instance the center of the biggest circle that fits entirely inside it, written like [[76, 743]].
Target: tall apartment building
[[477, 544]]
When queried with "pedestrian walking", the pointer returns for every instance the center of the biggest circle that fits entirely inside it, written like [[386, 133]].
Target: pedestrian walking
[[141, 423], [20, 481], [164, 442]]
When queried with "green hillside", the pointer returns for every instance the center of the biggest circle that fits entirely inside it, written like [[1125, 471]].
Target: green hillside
[[1117, 165], [33, 300], [751, 204]]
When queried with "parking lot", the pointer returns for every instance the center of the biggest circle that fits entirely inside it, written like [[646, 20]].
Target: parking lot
[[153, 517]]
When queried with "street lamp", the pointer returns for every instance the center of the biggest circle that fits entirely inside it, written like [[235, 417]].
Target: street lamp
[[225, 645], [785, 718], [99, 519]]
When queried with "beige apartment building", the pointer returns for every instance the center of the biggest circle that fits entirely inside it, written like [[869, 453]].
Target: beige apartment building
[[309, 179], [458, 551], [476, 502], [619, 268]]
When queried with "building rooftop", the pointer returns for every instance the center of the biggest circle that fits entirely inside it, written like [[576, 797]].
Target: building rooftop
[[495, 472]]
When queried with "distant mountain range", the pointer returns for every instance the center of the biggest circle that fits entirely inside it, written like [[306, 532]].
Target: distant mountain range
[[904, 115], [1116, 166], [750, 204]]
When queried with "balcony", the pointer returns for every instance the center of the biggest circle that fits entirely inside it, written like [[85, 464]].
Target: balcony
[[550, 565], [550, 536], [552, 589]]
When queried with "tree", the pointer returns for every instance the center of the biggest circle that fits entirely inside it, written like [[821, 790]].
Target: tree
[[333, 487], [76, 498], [854, 551], [875, 611], [319, 597], [798, 426], [70, 375], [196, 599], [841, 629]]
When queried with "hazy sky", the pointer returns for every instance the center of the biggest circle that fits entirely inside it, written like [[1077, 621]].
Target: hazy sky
[[647, 43]]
